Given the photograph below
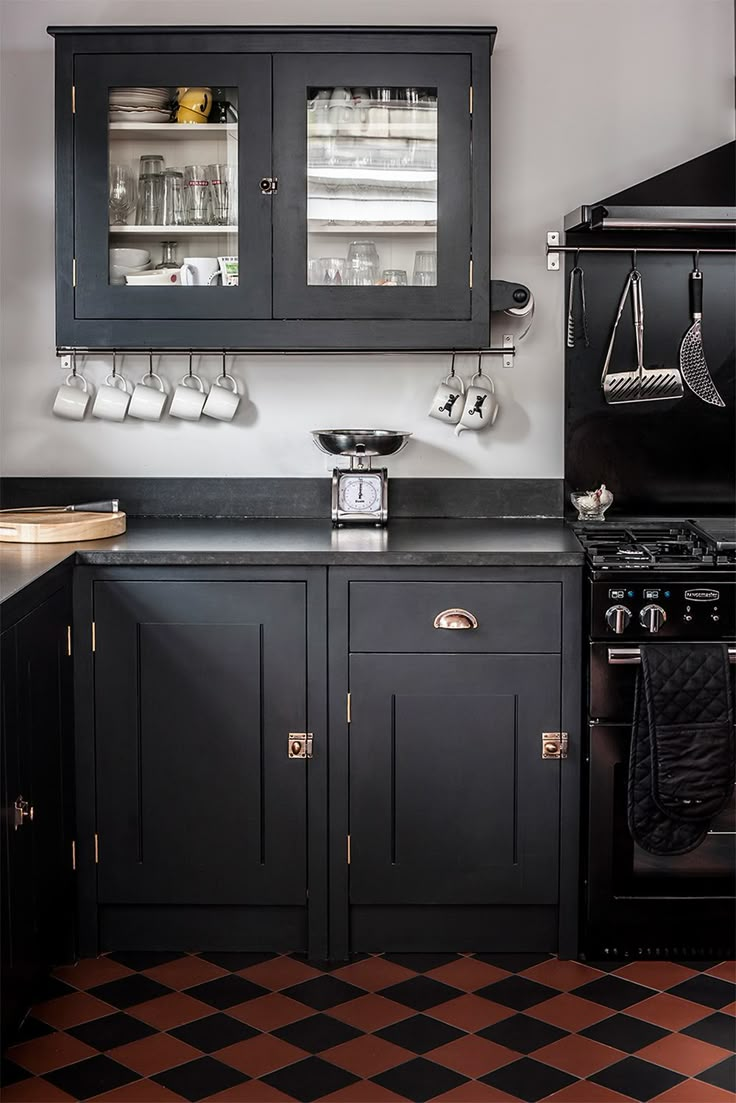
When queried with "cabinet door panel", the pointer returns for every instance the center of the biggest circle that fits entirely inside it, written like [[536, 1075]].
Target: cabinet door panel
[[362, 178], [197, 687], [450, 800]]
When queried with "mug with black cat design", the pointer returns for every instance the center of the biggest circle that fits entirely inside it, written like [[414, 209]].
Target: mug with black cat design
[[481, 404], [447, 404]]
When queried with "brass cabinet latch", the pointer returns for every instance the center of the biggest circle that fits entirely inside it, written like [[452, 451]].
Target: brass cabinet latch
[[22, 811], [300, 744], [554, 744]]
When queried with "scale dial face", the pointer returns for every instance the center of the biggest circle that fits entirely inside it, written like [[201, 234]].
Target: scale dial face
[[360, 493]]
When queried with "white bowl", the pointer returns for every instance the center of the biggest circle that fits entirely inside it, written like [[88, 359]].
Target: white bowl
[[131, 258]]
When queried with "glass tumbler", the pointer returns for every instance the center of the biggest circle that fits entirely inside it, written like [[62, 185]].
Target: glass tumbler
[[150, 163], [222, 195], [362, 263], [172, 198], [122, 194], [196, 195], [149, 199], [425, 268], [394, 277], [331, 270]]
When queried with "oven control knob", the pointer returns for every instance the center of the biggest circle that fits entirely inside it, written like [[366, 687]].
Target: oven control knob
[[652, 617], [617, 618]]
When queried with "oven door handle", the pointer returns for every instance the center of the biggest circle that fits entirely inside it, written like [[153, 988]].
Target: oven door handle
[[631, 656]]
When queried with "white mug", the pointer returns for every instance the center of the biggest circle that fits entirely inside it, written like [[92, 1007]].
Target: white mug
[[188, 400], [199, 271], [481, 405], [148, 401], [447, 404], [223, 399], [71, 401], [112, 399]]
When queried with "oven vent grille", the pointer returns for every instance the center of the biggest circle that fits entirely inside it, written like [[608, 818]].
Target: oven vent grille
[[679, 952]]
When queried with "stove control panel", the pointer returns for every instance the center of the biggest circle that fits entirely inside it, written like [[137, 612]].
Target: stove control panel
[[663, 609]]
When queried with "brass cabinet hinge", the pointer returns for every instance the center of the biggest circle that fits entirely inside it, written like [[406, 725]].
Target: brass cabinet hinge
[[74, 100], [348, 840], [94, 636], [554, 744], [471, 99], [349, 709], [470, 273], [74, 271], [97, 849], [74, 854], [69, 640]]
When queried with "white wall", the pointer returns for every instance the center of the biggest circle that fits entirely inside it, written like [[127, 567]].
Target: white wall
[[589, 96]]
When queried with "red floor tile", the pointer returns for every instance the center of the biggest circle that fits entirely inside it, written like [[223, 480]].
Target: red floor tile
[[472, 1092], [65, 1011], [683, 1054], [655, 974], [468, 974], [270, 1012], [53, 1051], [150, 1055], [569, 1012], [562, 975], [370, 1012], [373, 973], [582, 1091], [726, 970], [668, 1011], [140, 1091], [260, 1055], [166, 1012], [91, 971], [470, 1012], [253, 1091], [35, 1090], [279, 972], [366, 1056], [472, 1056], [577, 1055], [694, 1091], [185, 972], [361, 1092]]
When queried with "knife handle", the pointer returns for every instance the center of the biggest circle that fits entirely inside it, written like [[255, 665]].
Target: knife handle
[[696, 293], [112, 505]]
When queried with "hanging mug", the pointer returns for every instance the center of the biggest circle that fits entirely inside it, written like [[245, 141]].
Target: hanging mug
[[71, 400], [447, 404], [481, 404]]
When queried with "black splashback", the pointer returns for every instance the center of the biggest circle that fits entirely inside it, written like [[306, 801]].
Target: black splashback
[[675, 458]]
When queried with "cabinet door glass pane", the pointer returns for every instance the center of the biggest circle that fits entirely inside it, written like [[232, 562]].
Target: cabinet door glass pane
[[372, 187], [173, 186]]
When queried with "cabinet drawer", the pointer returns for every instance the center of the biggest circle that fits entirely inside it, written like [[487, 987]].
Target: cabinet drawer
[[400, 616]]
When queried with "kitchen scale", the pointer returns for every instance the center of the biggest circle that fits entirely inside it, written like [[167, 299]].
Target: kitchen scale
[[360, 492]]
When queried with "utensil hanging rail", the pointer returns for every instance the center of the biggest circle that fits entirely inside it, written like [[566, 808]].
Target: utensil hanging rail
[[553, 250], [218, 350]]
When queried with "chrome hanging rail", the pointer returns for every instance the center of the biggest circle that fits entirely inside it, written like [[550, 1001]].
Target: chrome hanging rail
[[553, 249], [66, 352]]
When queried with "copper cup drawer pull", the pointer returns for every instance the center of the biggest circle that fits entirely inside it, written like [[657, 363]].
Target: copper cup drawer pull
[[455, 618]]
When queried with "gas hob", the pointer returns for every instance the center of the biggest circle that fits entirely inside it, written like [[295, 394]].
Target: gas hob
[[679, 546]]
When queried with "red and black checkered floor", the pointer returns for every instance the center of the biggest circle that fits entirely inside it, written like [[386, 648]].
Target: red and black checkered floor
[[256, 1028]]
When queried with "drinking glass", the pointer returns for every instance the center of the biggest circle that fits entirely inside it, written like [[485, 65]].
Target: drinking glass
[[168, 257], [330, 270], [172, 198], [149, 199], [362, 264], [222, 195], [150, 163], [394, 277], [425, 268], [196, 195], [122, 194]]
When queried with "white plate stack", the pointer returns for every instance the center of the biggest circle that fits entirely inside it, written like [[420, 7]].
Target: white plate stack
[[140, 105]]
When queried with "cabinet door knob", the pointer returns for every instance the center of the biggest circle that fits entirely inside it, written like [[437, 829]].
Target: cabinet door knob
[[21, 812], [455, 618]]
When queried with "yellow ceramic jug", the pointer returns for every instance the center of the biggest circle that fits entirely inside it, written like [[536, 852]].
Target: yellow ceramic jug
[[195, 105]]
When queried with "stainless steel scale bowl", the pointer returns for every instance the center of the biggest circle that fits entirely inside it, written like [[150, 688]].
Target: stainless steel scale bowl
[[360, 492]]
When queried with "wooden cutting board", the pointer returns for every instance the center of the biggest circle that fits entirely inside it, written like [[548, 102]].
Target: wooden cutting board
[[59, 528]]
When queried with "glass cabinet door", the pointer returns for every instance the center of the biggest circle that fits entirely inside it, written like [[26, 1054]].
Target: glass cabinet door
[[170, 219], [373, 159]]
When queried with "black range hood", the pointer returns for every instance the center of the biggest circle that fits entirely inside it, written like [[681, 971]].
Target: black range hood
[[697, 195]]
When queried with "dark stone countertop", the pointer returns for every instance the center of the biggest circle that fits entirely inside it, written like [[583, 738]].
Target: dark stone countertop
[[409, 543]]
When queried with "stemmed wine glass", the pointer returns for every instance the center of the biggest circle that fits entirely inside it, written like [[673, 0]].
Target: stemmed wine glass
[[122, 195]]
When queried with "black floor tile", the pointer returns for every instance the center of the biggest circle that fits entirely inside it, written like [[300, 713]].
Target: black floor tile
[[419, 1080], [30, 1029], [522, 1033], [309, 1079], [722, 1075], [513, 963], [420, 1033], [91, 1077], [517, 992], [201, 1078], [111, 1031], [235, 960], [614, 992], [421, 963], [129, 991], [710, 991], [420, 993], [323, 992], [51, 988], [226, 991], [718, 1029], [10, 1073], [528, 1079], [144, 959], [316, 1033], [639, 1079], [624, 1032], [213, 1032]]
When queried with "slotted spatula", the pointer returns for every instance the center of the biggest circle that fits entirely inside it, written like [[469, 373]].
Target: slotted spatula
[[692, 354], [644, 384]]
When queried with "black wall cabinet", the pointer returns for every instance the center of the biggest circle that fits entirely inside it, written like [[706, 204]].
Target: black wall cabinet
[[37, 806], [331, 137]]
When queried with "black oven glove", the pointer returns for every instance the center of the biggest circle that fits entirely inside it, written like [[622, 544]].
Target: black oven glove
[[682, 764]]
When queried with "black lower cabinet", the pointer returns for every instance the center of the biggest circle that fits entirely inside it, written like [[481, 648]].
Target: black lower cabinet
[[202, 815], [37, 805], [454, 814]]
